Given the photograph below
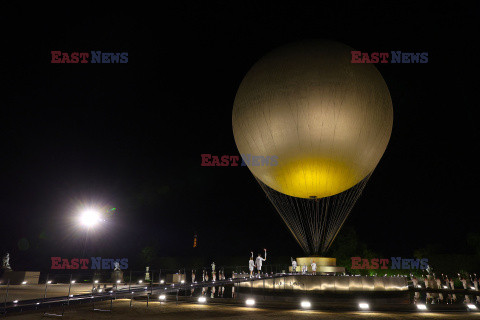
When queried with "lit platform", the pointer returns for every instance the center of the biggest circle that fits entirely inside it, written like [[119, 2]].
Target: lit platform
[[329, 283]]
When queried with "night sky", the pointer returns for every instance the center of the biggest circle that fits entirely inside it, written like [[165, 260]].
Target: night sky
[[130, 135]]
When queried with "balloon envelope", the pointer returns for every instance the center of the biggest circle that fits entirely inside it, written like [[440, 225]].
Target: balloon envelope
[[326, 119]]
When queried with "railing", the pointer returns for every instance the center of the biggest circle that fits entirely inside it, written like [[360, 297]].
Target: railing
[[80, 292]]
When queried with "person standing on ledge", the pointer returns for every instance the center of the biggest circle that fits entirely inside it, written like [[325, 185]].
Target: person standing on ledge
[[259, 260], [428, 294], [416, 296], [213, 271], [475, 284], [251, 265], [439, 286], [452, 285], [294, 265], [314, 268], [464, 283], [447, 286]]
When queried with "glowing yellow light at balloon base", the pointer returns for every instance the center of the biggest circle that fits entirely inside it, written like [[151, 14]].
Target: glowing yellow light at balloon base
[[314, 177], [327, 120]]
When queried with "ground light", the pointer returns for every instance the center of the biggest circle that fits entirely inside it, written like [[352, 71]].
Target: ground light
[[162, 297], [202, 299], [421, 307], [305, 304], [24, 282], [472, 306], [250, 302], [73, 281], [364, 306], [49, 282]]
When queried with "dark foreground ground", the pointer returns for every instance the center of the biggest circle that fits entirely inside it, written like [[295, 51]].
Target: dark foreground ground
[[121, 310]]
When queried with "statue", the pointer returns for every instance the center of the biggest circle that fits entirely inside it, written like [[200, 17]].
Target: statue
[[117, 274], [429, 269], [147, 274], [6, 262]]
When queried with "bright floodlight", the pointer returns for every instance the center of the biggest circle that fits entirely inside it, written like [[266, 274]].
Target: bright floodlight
[[472, 306], [73, 281], [89, 218], [162, 281], [24, 282], [202, 299], [364, 306], [162, 297], [118, 281], [96, 281], [49, 281], [183, 281], [421, 307], [305, 304], [250, 302]]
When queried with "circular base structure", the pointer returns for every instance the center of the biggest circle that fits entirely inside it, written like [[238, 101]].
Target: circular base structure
[[289, 283]]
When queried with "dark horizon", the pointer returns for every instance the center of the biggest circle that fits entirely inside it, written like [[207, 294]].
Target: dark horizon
[[130, 135]]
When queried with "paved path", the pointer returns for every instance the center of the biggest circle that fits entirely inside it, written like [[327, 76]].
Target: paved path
[[170, 310]]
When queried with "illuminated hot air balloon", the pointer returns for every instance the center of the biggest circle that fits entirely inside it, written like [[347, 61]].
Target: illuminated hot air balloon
[[327, 120]]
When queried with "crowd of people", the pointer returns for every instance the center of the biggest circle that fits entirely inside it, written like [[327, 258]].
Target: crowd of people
[[255, 264], [252, 265], [304, 267], [444, 282]]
